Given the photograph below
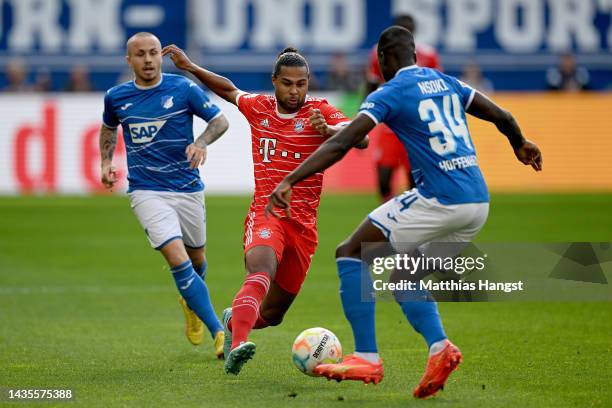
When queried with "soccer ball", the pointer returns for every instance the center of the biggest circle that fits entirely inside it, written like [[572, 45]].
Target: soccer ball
[[313, 347]]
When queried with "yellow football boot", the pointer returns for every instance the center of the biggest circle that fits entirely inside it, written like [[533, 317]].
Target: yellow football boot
[[194, 328], [219, 340]]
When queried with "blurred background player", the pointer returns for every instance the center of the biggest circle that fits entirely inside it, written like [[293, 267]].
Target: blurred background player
[[166, 193], [389, 155], [17, 76], [568, 76], [473, 76], [286, 128], [449, 205], [342, 77], [79, 80]]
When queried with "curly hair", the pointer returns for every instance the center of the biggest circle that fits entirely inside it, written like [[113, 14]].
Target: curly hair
[[289, 57]]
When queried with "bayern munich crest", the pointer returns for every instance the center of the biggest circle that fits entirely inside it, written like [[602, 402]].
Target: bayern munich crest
[[299, 125], [265, 233]]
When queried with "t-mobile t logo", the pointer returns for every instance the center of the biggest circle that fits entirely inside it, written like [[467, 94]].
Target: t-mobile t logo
[[267, 148]]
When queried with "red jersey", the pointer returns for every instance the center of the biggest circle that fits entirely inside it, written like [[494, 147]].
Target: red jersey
[[280, 143], [426, 57]]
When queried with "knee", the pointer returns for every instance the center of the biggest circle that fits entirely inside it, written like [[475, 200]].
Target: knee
[[198, 263], [174, 253], [197, 258], [348, 249], [273, 317]]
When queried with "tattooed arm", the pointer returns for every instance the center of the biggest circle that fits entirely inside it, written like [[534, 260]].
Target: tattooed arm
[[108, 141], [196, 152]]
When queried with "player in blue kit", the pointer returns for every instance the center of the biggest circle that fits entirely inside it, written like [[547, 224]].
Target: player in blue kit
[[427, 111], [166, 193]]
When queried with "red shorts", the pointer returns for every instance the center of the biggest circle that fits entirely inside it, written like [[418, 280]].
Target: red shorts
[[293, 243], [388, 150]]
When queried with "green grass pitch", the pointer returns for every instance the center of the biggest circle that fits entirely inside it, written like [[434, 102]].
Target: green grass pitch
[[85, 304]]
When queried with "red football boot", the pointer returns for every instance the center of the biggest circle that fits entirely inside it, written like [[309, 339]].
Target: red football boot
[[439, 367], [352, 368]]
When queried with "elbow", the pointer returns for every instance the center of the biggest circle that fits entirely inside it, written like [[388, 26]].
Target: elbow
[[222, 123], [364, 143], [504, 118], [339, 149], [225, 124]]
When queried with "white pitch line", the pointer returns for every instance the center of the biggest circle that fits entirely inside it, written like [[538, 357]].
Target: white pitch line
[[84, 289]]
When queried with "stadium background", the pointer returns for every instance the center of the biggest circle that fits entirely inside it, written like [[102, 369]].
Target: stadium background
[[84, 302]]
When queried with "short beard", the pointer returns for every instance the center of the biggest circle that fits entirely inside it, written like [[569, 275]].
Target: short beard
[[290, 109], [147, 81]]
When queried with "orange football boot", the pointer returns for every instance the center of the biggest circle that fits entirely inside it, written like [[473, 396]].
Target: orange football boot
[[352, 368], [439, 367]]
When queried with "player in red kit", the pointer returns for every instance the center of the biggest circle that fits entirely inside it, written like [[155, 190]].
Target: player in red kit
[[286, 128], [389, 154]]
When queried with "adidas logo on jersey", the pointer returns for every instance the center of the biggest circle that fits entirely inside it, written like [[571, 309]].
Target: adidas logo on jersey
[[144, 132]]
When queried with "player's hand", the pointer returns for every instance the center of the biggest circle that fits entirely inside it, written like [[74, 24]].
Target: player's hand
[[195, 155], [178, 56], [317, 121], [281, 198], [109, 175], [529, 154]]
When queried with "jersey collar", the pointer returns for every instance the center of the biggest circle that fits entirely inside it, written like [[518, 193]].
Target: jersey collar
[[144, 88], [284, 115], [405, 69]]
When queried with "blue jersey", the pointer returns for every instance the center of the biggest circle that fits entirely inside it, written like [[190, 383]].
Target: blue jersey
[[157, 124], [426, 110]]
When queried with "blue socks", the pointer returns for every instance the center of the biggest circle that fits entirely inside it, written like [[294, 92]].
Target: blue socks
[[422, 312], [201, 270], [359, 302], [193, 289]]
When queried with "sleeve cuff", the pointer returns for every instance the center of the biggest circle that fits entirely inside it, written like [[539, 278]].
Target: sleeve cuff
[[240, 93], [370, 115], [470, 99], [108, 126], [216, 116]]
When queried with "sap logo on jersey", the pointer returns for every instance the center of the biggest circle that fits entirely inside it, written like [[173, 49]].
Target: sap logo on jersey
[[144, 132]]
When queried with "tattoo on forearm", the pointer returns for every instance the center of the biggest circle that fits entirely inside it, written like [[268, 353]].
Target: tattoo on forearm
[[108, 141], [215, 129]]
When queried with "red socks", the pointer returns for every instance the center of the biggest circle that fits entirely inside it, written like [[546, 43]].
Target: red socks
[[245, 307]]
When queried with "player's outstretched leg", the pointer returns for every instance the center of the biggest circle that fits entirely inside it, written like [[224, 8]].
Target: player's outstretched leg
[[244, 312], [261, 264], [358, 302]]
